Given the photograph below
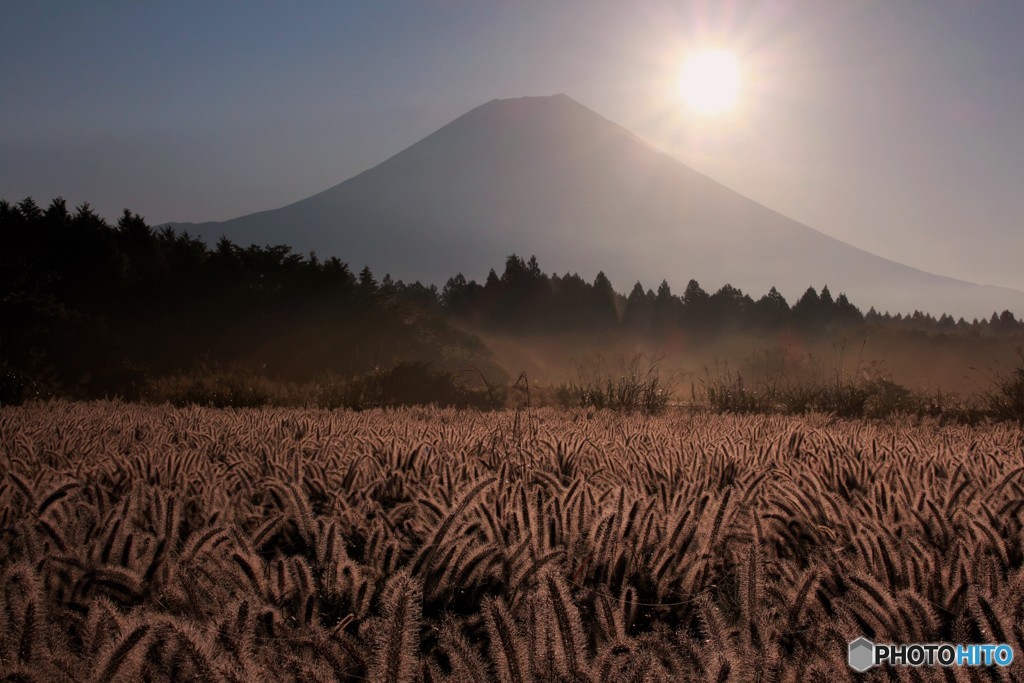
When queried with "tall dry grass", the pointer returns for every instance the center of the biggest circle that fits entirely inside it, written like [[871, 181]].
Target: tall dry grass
[[158, 543]]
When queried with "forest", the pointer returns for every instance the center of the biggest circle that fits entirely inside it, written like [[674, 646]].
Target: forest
[[94, 310]]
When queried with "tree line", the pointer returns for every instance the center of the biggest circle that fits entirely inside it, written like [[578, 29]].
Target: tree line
[[524, 298], [89, 308]]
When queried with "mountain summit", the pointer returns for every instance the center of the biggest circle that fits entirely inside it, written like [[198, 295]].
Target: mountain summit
[[547, 176]]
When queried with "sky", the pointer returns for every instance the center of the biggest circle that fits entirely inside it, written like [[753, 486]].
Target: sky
[[895, 126]]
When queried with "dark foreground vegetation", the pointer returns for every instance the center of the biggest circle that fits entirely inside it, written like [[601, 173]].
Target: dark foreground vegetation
[[91, 310], [154, 543], [866, 395]]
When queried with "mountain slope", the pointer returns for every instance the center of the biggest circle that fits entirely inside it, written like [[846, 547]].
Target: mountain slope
[[547, 176]]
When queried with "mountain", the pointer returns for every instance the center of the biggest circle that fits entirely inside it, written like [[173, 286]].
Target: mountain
[[547, 176]]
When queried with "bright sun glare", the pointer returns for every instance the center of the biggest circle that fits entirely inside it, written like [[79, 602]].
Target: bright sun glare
[[710, 81]]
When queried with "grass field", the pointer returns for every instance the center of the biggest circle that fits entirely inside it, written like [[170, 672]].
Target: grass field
[[147, 542]]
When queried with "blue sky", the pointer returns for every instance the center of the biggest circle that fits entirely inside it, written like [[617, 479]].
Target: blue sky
[[895, 125]]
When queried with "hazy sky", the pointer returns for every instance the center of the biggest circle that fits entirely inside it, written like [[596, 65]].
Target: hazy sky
[[896, 125]]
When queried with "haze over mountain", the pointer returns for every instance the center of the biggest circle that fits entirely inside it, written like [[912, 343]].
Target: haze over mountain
[[547, 176]]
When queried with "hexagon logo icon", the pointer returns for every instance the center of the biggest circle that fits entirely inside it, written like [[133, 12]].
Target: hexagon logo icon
[[861, 654]]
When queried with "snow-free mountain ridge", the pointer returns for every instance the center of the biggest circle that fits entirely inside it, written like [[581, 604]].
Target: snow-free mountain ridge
[[547, 176]]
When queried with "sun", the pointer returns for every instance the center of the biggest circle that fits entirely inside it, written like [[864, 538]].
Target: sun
[[710, 81]]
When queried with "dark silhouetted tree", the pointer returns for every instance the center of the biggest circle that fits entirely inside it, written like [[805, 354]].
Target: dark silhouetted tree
[[807, 309], [667, 309], [846, 313], [639, 314], [728, 308], [602, 303], [696, 314], [771, 311]]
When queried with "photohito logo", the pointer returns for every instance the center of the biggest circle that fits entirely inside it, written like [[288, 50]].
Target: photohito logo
[[864, 654]]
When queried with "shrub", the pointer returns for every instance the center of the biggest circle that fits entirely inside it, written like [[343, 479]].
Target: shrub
[[12, 387], [728, 393], [415, 383], [635, 385], [227, 389], [1005, 399], [18, 385], [850, 396]]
